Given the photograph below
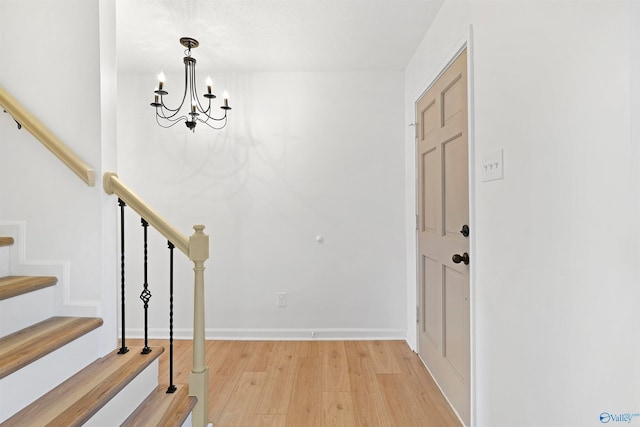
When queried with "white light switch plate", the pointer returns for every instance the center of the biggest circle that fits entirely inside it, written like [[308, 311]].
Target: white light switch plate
[[491, 167]]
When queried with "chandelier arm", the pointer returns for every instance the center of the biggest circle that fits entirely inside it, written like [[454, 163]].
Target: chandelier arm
[[171, 119], [164, 114], [192, 83], [194, 91], [176, 110], [217, 119], [184, 95], [167, 113], [173, 122], [164, 106], [206, 112], [214, 127]]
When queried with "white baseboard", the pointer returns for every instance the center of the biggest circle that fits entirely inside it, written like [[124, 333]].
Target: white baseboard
[[327, 334]]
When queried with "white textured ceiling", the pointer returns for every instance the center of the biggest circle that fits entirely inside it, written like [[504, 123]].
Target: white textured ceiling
[[272, 35]]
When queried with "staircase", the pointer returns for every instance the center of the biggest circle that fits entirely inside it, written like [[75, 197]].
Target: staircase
[[51, 375]]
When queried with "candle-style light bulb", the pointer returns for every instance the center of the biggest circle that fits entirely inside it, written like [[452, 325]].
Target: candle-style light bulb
[[160, 80], [209, 84], [193, 107], [226, 98]]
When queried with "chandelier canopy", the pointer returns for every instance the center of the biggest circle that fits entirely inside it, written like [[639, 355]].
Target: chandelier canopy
[[167, 117]]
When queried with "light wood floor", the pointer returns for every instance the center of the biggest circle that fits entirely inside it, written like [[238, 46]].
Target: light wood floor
[[314, 383]]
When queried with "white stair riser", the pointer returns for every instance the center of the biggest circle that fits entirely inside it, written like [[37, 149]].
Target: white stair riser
[[187, 422], [125, 402], [27, 384], [24, 310]]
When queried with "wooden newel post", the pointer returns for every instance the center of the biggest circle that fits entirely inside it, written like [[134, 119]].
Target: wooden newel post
[[199, 379]]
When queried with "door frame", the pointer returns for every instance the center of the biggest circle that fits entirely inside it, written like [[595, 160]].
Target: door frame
[[466, 42]]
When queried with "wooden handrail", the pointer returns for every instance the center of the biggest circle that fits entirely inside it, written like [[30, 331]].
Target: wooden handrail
[[46, 137], [113, 185], [196, 247]]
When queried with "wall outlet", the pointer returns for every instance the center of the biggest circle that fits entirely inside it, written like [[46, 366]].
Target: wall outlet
[[282, 299]]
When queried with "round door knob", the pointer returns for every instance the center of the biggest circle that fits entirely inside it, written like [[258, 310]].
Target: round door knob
[[457, 258]]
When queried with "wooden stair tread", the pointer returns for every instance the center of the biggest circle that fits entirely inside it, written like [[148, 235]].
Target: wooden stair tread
[[11, 286], [6, 241], [77, 399], [27, 345], [163, 409]]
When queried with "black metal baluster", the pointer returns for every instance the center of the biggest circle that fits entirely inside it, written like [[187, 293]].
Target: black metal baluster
[[172, 388], [123, 347], [145, 296]]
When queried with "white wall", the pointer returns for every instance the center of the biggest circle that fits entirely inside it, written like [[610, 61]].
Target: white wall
[[304, 154], [108, 158], [51, 63], [555, 290]]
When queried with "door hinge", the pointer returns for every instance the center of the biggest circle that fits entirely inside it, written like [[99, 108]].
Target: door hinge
[[417, 221], [417, 314], [415, 130]]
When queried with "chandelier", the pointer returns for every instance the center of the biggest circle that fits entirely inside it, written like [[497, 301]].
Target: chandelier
[[168, 117]]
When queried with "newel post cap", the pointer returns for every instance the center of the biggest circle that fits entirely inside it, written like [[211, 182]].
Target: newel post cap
[[198, 244]]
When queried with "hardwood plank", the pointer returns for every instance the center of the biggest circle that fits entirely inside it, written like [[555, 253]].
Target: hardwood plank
[[368, 400], [308, 348], [27, 345], [382, 358], [223, 380], [280, 377], [262, 354], [338, 409], [76, 400], [305, 408], [424, 385], [358, 357], [11, 286], [335, 372], [405, 406], [217, 353], [241, 407], [162, 409], [6, 241], [267, 420]]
